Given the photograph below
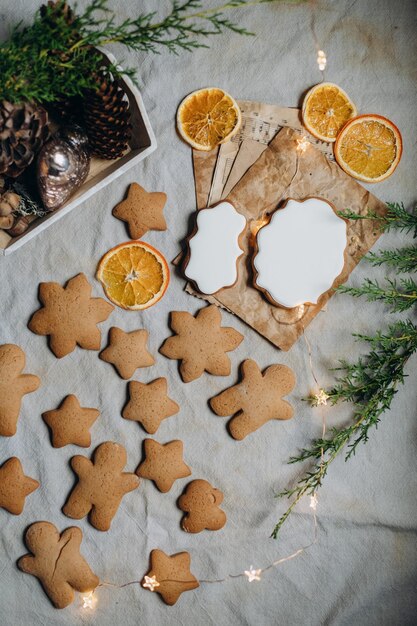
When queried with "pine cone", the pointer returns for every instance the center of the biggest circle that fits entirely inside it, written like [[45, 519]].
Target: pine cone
[[23, 130], [107, 120], [51, 11], [67, 110]]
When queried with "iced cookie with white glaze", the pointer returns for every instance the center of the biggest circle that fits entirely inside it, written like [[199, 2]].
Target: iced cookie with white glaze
[[213, 248], [300, 252]]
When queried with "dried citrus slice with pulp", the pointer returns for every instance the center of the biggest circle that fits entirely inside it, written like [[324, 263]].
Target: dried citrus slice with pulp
[[134, 275], [207, 118], [326, 108], [369, 148]]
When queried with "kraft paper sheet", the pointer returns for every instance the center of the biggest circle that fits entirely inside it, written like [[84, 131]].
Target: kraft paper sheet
[[279, 173]]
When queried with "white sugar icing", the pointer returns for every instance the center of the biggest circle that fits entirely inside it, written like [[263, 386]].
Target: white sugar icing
[[300, 252], [214, 249]]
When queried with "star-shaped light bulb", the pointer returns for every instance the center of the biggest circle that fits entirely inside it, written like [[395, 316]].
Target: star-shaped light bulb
[[313, 501], [321, 60], [320, 398], [150, 583], [253, 574], [302, 144], [89, 601]]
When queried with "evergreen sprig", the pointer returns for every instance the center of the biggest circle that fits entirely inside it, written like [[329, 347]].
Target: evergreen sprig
[[372, 381], [54, 55]]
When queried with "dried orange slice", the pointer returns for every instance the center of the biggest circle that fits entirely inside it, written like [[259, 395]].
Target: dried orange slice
[[134, 275], [326, 108], [207, 118], [369, 148]]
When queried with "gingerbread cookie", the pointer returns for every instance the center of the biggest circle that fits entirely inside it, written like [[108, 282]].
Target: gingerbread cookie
[[142, 211], [70, 315], [214, 267], [127, 351], [163, 463], [70, 423], [101, 485], [15, 486], [57, 562], [170, 576], [201, 343], [201, 504], [13, 386], [257, 399], [149, 404]]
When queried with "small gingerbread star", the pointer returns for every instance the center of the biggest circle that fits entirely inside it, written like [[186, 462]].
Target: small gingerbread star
[[14, 486], [170, 576], [70, 423], [127, 351], [142, 211], [149, 404], [163, 463]]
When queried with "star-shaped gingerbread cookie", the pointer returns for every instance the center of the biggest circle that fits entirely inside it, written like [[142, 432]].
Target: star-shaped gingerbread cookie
[[163, 463], [13, 386], [70, 423], [69, 316], [127, 351], [149, 404], [142, 210], [170, 576], [201, 343], [256, 399], [15, 486]]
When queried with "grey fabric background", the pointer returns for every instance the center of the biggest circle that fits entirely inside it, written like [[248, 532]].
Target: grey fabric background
[[363, 568]]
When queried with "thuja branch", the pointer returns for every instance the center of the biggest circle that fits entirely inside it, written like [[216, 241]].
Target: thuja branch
[[371, 383]]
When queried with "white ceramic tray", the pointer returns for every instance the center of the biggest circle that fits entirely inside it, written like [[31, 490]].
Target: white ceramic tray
[[102, 172]]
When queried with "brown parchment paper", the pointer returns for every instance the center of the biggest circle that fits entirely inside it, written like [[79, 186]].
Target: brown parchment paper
[[283, 172]]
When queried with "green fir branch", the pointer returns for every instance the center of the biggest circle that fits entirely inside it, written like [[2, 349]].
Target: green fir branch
[[54, 56], [370, 383], [399, 296], [402, 259], [397, 217]]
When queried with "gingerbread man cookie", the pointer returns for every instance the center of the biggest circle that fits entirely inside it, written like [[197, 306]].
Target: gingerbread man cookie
[[257, 399], [201, 343], [101, 485], [201, 504], [149, 404], [69, 316], [163, 463], [56, 560], [13, 386], [15, 486], [70, 423], [127, 351], [170, 576], [142, 211]]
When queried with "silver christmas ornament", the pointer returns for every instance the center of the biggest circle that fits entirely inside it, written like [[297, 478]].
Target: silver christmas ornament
[[63, 165]]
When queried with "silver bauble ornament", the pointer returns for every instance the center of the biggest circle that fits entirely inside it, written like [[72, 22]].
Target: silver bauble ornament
[[63, 165]]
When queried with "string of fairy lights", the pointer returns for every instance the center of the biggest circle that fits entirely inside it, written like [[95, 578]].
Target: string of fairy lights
[[319, 400]]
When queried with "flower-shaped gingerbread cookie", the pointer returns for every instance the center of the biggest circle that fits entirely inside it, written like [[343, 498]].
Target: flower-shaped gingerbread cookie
[[256, 399], [13, 386], [201, 343], [69, 316], [201, 504], [56, 560], [101, 485]]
